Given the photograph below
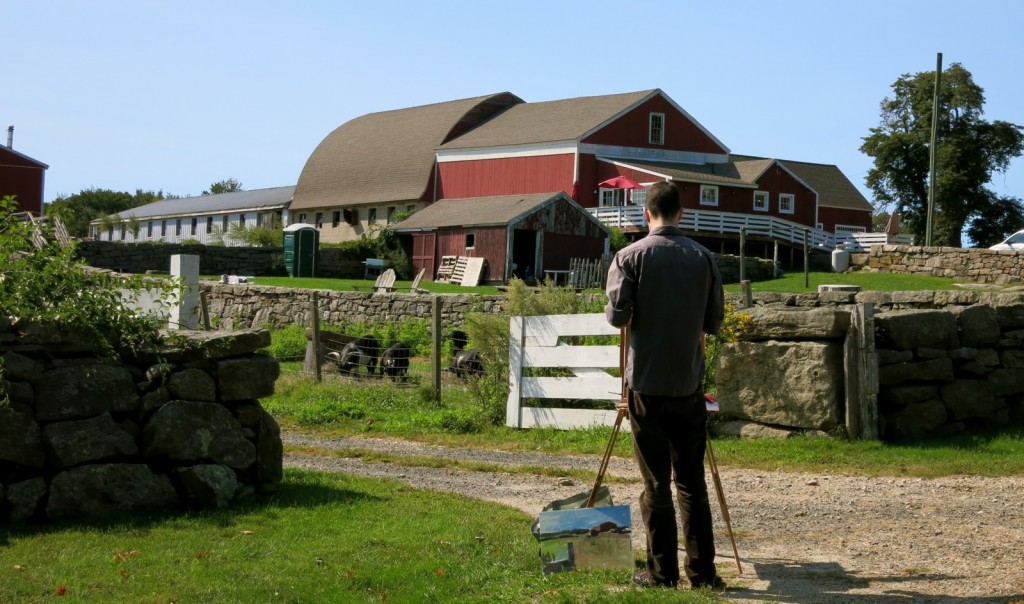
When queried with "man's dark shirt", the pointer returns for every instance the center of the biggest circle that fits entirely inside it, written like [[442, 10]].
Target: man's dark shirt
[[670, 287]]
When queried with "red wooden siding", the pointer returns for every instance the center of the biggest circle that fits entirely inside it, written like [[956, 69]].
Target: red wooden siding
[[507, 176], [632, 130], [423, 253], [830, 217], [560, 248], [23, 179], [489, 243]]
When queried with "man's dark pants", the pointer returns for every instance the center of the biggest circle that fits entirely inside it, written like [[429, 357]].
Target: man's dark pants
[[669, 437]]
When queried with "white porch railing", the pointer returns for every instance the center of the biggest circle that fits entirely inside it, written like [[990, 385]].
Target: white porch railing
[[770, 227], [536, 342], [861, 242]]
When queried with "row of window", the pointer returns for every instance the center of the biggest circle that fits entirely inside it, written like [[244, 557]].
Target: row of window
[[336, 216], [708, 197], [787, 201], [262, 219]]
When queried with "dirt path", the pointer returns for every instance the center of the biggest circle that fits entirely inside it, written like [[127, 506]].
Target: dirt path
[[802, 538]]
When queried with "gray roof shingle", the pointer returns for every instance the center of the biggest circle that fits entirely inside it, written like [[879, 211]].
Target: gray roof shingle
[[475, 211], [548, 121], [276, 197], [389, 155]]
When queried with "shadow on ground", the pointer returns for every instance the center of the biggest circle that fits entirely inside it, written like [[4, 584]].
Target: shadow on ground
[[795, 582]]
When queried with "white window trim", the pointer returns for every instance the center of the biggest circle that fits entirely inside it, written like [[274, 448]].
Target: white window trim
[[619, 195], [708, 188], [792, 203], [848, 228], [767, 201], [660, 140]]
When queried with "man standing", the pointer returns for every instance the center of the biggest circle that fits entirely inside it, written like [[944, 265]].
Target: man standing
[[667, 288]]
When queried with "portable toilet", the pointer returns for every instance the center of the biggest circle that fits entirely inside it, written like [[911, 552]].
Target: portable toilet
[[301, 250]]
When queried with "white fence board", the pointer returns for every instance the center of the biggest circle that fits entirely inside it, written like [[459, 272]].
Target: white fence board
[[594, 388], [535, 342]]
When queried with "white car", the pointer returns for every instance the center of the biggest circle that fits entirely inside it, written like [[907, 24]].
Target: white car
[[1014, 242]]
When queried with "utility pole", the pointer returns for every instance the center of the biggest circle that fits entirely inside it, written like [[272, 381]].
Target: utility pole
[[933, 152]]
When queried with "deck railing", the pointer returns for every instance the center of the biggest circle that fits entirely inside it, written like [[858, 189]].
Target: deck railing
[[769, 227]]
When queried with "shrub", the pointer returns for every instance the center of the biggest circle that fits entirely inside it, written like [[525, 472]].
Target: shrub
[[49, 284]]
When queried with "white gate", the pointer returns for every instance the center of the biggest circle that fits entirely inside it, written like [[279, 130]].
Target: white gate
[[536, 342]]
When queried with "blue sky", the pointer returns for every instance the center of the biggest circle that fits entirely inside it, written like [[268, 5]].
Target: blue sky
[[174, 96]]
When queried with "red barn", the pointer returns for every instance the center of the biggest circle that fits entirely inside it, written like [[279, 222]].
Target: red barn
[[498, 147], [22, 177]]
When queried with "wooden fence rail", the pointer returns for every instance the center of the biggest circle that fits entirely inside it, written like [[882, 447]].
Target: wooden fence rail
[[538, 342]]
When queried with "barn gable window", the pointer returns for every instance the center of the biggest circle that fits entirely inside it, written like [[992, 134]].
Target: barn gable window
[[391, 214], [786, 203], [708, 195], [470, 240], [319, 220], [656, 129], [335, 218], [372, 218]]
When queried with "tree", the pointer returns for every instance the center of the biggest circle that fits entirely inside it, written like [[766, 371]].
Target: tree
[[224, 186], [969, 151], [78, 210]]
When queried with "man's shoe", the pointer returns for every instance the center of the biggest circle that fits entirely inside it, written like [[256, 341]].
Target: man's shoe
[[643, 579], [716, 584]]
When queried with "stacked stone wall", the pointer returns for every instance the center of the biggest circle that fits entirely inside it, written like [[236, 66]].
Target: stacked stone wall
[[998, 267], [85, 436], [947, 362]]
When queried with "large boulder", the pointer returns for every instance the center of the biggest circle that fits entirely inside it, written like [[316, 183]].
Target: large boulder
[[915, 421], [781, 323], [269, 452], [106, 490], [195, 432], [21, 441], [978, 325], [77, 442], [208, 485], [911, 329], [24, 499], [794, 384], [192, 385], [250, 377], [84, 391]]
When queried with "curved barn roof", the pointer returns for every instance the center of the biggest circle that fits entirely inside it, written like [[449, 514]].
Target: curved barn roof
[[389, 155]]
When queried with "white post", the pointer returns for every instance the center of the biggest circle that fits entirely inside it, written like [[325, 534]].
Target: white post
[[185, 312]]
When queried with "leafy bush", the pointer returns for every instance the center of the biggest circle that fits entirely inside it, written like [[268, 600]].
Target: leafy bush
[[50, 285], [288, 342]]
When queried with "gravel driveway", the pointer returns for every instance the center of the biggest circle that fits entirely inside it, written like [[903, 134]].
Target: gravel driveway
[[802, 538]]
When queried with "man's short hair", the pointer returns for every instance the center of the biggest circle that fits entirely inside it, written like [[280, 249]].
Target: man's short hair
[[663, 199]]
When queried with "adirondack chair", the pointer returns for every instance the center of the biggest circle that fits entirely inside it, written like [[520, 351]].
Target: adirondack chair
[[415, 287], [384, 283]]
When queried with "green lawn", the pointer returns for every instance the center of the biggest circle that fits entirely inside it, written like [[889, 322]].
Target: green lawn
[[321, 538], [793, 282]]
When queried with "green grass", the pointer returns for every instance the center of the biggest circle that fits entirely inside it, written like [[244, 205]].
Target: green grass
[[347, 408], [321, 538], [793, 282]]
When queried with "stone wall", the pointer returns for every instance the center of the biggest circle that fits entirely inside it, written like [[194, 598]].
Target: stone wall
[[245, 306], [946, 363], [83, 436], [156, 257], [971, 265]]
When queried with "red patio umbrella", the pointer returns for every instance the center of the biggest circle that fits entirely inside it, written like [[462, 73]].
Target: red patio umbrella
[[619, 182]]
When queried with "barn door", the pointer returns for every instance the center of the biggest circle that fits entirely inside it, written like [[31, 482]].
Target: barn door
[[423, 253]]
